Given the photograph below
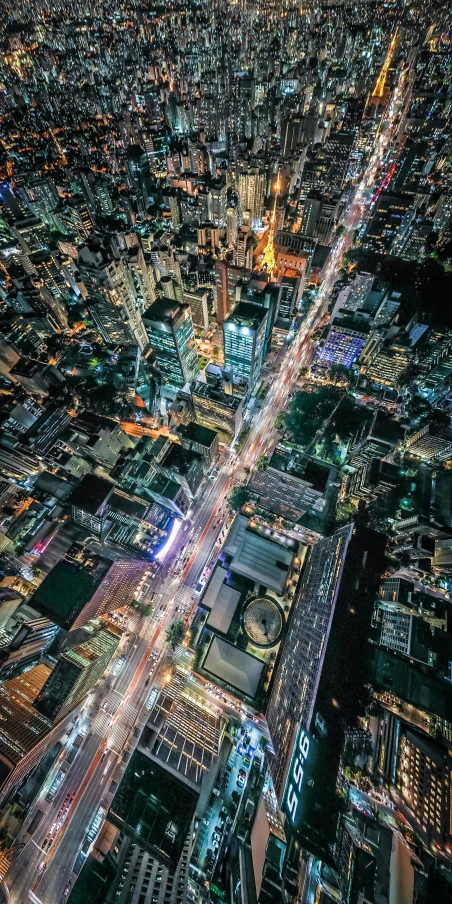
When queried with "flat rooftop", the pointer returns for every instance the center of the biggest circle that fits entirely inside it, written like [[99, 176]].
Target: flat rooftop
[[203, 390], [196, 433], [263, 559], [91, 493], [246, 314], [221, 599], [67, 589], [154, 807], [233, 666], [164, 310]]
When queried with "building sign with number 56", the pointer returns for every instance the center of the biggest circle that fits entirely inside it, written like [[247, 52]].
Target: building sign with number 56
[[296, 775]]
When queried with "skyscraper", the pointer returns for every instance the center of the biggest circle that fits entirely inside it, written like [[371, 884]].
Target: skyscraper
[[170, 330], [113, 300], [85, 586], [251, 182], [76, 673], [341, 573], [244, 338]]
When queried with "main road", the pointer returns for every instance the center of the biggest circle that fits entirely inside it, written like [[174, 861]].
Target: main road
[[101, 752]]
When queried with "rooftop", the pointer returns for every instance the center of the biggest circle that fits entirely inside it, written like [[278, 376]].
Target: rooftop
[[246, 314], [196, 433], [67, 589], [164, 310], [216, 395], [154, 807], [233, 666], [260, 554], [91, 493], [221, 599]]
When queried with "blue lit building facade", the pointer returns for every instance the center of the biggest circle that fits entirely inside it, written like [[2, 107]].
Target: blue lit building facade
[[342, 346], [244, 341]]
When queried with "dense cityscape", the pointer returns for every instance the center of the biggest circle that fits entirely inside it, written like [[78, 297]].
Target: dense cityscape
[[226, 452]]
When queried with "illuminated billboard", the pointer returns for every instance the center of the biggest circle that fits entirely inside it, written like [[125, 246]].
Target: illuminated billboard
[[297, 775]]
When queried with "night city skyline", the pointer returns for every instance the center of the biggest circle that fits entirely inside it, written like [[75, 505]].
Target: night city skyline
[[226, 452]]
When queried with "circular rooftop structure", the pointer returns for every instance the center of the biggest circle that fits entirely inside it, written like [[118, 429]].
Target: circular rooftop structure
[[263, 621]]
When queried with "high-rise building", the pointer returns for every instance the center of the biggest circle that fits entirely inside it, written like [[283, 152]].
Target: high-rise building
[[170, 331], [289, 297], [198, 301], [243, 256], [386, 222], [244, 338], [344, 342], [290, 134], [76, 673], [311, 213], [251, 184], [26, 734], [112, 296], [232, 221], [217, 409], [226, 279], [219, 201], [25, 636], [84, 586], [89, 503], [342, 571], [138, 171]]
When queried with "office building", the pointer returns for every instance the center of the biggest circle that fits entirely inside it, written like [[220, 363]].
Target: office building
[[138, 172], [113, 298], [425, 445], [244, 338], [386, 222], [89, 503], [25, 636], [227, 277], [170, 494], [311, 212], [183, 465], [10, 600], [290, 134], [83, 586], [244, 248], [289, 297], [232, 222], [264, 294], [16, 460], [339, 568], [364, 853], [388, 365], [201, 440], [425, 777], [199, 308], [346, 337], [218, 410], [76, 673], [294, 252], [219, 201], [170, 331], [251, 184], [26, 735]]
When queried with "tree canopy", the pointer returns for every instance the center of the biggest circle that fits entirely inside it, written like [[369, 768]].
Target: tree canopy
[[175, 633], [309, 413], [239, 496]]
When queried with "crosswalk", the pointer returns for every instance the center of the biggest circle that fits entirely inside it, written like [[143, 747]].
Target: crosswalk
[[101, 723], [113, 702], [121, 731], [5, 860]]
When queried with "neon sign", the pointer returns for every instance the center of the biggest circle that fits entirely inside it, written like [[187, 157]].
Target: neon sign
[[299, 760]]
